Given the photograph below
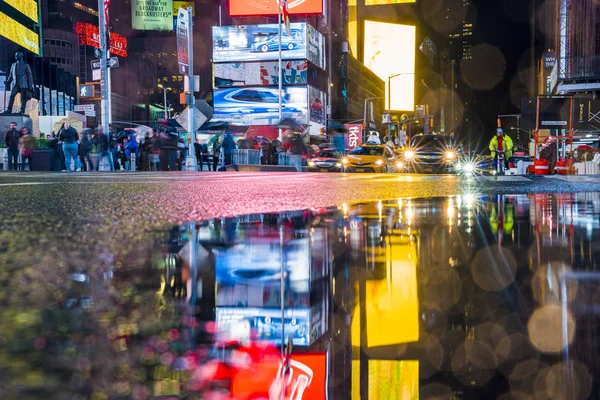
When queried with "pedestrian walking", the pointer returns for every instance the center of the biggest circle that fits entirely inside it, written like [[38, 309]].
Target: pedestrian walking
[[27, 148], [11, 140], [85, 148], [228, 148], [102, 145], [198, 153], [68, 135], [216, 153]]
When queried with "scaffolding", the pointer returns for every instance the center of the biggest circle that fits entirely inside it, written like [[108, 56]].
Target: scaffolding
[[566, 137]]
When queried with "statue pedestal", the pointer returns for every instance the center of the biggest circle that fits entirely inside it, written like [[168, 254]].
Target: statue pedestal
[[21, 120]]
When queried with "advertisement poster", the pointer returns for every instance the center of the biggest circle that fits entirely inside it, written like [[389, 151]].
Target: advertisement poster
[[354, 135], [260, 73], [152, 15], [316, 100], [239, 8], [316, 47], [266, 322], [258, 42], [19, 34], [28, 8], [260, 105], [183, 27], [89, 35]]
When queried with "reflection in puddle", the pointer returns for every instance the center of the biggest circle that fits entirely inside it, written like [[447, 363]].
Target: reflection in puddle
[[462, 297]]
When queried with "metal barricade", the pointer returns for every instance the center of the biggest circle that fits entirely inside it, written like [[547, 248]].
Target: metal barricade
[[4, 158], [284, 159], [246, 157], [132, 162]]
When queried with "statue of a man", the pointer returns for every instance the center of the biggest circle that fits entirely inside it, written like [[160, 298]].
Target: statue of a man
[[21, 81]]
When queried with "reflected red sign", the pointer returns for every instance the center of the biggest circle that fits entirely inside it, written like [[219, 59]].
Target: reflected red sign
[[269, 7], [354, 135], [309, 379]]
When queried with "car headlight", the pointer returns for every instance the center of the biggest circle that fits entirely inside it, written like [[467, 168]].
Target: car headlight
[[400, 165], [409, 154], [338, 165], [469, 167], [450, 155], [311, 163], [379, 162], [344, 161]]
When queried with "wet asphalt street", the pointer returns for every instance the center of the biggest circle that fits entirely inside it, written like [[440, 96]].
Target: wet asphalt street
[[461, 273], [164, 197]]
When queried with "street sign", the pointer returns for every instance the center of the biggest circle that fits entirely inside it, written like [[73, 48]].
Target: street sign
[[84, 107], [387, 118], [96, 75], [112, 62], [86, 91], [90, 113], [183, 27]]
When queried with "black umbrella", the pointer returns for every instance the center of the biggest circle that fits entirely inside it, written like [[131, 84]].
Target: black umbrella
[[290, 123]]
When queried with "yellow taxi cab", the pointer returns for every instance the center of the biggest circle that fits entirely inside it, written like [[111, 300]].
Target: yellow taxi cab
[[370, 158]]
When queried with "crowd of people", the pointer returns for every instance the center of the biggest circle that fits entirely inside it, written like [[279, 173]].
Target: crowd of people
[[126, 150]]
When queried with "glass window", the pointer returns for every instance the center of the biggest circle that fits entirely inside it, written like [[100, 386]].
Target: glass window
[[268, 97]]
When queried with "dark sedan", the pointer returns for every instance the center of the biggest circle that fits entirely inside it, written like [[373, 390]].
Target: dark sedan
[[327, 160], [431, 153]]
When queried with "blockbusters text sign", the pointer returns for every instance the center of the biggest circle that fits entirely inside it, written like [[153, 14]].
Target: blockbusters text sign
[[152, 15]]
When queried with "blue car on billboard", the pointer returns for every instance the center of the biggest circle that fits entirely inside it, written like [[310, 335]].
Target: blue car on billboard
[[272, 44], [258, 105]]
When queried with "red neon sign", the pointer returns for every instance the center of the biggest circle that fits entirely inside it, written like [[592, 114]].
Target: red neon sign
[[89, 35]]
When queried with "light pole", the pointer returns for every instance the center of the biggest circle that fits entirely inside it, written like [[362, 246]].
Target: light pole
[[390, 96], [164, 88]]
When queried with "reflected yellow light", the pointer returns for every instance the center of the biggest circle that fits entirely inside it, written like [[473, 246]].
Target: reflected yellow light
[[392, 305], [345, 209], [390, 379], [389, 50]]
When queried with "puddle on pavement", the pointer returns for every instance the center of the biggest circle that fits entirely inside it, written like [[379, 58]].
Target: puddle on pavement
[[453, 298]]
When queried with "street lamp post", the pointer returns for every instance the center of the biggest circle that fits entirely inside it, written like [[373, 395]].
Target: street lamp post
[[164, 88], [390, 96]]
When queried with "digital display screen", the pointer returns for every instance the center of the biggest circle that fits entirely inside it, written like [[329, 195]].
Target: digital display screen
[[17, 33], [260, 105], [389, 50], [29, 8], [258, 42], [260, 73], [239, 8]]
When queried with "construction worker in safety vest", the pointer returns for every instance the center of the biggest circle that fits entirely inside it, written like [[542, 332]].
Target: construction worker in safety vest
[[501, 142]]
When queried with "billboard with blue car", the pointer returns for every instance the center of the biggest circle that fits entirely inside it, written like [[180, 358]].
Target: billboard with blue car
[[258, 42]]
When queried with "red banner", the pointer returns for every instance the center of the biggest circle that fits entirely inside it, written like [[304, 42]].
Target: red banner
[[89, 35], [354, 135]]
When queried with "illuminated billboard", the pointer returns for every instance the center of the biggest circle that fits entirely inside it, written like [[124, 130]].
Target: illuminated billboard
[[390, 50], [259, 105], [89, 35], [385, 2], [391, 379], [29, 8], [261, 43], [260, 73], [15, 32], [238, 8], [152, 15]]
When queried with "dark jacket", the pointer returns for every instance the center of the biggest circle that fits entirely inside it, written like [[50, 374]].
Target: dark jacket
[[11, 140], [85, 145], [20, 76], [100, 142], [69, 135], [228, 144]]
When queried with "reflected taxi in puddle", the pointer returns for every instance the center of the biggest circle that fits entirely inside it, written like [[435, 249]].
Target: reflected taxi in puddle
[[370, 158]]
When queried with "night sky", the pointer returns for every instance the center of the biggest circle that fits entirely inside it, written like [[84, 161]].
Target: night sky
[[500, 68]]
